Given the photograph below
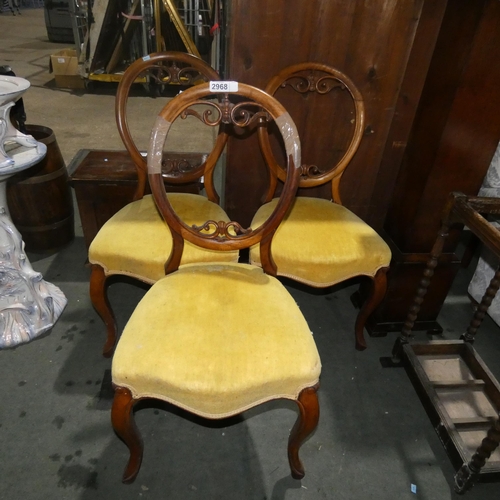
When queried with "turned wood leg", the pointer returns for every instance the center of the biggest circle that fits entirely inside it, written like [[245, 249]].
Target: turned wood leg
[[305, 424], [437, 250], [122, 419], [482, 308], [377, 293], [469, 472], [99, 299]]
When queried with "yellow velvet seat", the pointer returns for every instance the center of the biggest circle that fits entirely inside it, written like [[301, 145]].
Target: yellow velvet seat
[[137, 242], [259, 349], [321, 243]]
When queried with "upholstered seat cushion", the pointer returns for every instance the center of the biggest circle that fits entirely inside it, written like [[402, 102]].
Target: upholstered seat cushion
[[216, 339], [321, 243], [137, 242]]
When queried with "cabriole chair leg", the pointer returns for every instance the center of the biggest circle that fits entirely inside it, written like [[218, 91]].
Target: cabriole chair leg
[[377, 292], [122, 419], [99, 299], [304, 426]]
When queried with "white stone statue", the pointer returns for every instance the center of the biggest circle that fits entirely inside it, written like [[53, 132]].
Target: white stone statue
[[29, 305]]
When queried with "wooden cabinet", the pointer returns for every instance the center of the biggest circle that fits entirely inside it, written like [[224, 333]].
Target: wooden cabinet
[[429, 73], [453, 138]]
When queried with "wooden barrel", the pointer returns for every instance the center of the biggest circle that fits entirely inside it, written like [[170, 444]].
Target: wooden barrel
[[39, 198]]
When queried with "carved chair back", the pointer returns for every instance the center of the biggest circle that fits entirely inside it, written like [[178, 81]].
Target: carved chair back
[[332, 116], [243, 109], [159, 70]]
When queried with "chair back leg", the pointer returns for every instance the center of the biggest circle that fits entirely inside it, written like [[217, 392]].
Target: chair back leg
[[377, 293], [99, 299]]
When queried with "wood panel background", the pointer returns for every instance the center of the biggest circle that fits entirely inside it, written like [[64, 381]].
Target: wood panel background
[[369, 41], [457, 125]]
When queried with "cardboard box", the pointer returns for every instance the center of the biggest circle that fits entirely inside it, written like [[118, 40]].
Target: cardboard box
[[64, 65]]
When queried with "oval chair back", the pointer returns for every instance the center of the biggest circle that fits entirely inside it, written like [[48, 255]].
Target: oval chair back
[[158, 71], [256, 108], [328, 95]]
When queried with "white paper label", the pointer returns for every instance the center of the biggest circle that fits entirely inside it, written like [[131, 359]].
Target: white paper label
[[223, 86], [61, 60]]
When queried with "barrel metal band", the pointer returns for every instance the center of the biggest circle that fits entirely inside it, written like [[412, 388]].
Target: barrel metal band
[[43, 178], [39, 229]]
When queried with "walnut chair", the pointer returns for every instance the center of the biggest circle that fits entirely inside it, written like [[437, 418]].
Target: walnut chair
[[321, 243], [217, 338], [136, 242]]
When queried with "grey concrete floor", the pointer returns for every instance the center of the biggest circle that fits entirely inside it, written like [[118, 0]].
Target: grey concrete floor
[[374, 440]]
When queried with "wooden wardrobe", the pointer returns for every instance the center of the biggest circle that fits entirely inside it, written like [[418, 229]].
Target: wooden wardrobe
[[429, 71]]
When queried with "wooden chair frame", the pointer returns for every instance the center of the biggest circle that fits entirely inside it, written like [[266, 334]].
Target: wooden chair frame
[[167, 67], [330, 79], [221, 236]]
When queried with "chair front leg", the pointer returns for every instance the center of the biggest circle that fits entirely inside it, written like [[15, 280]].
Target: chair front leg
[[122, 419], [99, 299], [304, 426], [377, 293]]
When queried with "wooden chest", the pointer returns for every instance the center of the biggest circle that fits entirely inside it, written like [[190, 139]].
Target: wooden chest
[[104, 182]]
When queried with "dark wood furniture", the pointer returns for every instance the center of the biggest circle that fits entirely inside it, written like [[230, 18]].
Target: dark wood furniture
[[348, 246], [454, 134], [212, 390], [105, 181], [460, 394], [166, 68], [428, 71]]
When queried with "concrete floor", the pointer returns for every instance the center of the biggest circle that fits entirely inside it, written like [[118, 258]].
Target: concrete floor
[[374, 440]]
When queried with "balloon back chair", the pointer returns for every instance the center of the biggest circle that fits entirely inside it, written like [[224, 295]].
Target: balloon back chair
[[321, 243], [217, 338], [136, 242]]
